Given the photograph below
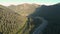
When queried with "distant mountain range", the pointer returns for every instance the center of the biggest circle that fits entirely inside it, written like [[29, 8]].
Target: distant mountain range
[[24, 9]]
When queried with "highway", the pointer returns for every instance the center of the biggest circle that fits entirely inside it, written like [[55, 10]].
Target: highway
[[41, 27]]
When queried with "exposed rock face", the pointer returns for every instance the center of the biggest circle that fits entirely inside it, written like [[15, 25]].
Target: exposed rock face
[[10, 22]]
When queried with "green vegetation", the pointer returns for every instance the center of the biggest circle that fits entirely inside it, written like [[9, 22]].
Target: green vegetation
[[10, 21], [19, 19], [52, 15]]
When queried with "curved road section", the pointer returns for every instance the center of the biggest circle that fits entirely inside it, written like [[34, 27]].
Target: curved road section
[[41, 27]]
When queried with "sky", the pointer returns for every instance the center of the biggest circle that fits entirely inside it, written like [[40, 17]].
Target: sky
[[16, 2]]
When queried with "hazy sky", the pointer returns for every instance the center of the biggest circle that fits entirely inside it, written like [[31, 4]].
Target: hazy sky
[[47, 2]]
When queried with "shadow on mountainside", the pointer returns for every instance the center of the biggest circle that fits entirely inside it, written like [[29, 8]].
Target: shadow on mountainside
[[31, 25], [52, 15]]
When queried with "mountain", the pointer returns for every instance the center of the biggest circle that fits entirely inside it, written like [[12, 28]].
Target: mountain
[[24, 9], [26, 18], [52, 15], [10, 21], [12, 7]]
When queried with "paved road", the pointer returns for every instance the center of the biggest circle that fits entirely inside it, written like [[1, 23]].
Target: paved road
[[41, 27]]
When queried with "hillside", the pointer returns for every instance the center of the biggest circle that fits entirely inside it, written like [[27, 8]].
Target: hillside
[[52, 15], [10, 21], [24, 9], [26, 18]]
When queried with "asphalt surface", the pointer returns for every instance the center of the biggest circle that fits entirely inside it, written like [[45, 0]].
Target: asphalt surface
[[41, 27]]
